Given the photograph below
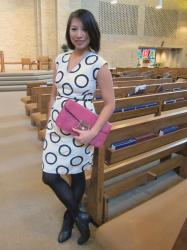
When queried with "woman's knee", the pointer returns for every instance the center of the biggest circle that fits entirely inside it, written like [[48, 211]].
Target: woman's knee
[[49, 179], [78, 178]]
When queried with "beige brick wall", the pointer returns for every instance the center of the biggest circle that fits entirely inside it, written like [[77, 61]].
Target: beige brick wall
[[17, 29], [28, 29]]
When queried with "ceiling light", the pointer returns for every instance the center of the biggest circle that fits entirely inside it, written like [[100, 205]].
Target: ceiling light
[[113, 1], [159, 5]]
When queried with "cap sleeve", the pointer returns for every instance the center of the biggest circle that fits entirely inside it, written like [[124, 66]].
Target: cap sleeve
[[57, 61], [100, 62]]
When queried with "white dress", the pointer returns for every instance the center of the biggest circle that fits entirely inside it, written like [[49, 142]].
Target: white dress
[[62, 154]]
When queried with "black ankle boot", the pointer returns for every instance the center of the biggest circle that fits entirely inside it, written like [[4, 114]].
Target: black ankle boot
[[66, 230], [83, 227]]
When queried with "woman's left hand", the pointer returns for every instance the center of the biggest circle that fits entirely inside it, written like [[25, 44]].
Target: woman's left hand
[[84, 136]]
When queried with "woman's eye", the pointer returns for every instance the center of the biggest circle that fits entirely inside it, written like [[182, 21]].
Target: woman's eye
[[73, 29]]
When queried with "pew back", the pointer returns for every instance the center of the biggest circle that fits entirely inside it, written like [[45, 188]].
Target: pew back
[[124, 91], [141, 82]]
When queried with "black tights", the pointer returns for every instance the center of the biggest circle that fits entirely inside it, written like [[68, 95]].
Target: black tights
[[69, 195]]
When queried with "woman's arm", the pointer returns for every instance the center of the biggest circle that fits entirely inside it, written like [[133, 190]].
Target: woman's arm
[[104, 80], [105, 83], [53, 93]]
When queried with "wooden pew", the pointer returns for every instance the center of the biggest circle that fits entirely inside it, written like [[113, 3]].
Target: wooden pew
[[157, 71], [27, 98], [127, 159], [158, 98], [39, 118], [121, 92], [118, 92], [35, 92]]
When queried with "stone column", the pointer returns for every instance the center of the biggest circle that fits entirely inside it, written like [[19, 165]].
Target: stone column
[[63, 10], [38, 27], [51, 21], [46, 27]]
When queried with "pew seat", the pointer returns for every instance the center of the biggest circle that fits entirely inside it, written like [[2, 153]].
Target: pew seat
[[26, 99], [153, 225], [39, 120], [30, 108]]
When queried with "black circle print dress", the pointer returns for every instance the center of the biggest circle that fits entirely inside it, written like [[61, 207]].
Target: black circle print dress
[[62, 154]]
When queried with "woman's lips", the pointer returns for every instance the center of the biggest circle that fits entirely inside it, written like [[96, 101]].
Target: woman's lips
[[79, 42]]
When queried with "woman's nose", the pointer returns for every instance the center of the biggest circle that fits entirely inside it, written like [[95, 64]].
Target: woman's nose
[[80, 33]]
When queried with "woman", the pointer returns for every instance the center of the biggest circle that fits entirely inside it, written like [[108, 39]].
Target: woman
[[75, 77]]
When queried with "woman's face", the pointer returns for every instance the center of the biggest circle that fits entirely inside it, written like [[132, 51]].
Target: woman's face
[[78, 35]]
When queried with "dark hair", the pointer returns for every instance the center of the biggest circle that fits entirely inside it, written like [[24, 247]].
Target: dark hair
[[90, 24]]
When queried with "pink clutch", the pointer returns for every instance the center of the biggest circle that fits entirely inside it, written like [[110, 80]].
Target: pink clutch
[[74, 115]]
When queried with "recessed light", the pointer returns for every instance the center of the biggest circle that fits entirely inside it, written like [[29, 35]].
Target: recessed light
[[113, 1], [159, 5]]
